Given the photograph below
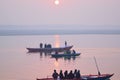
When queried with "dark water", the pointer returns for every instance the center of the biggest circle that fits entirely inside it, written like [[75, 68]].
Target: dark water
[[17, 64]]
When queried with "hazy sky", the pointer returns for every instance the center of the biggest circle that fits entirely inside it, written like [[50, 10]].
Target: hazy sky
[[45, 12]]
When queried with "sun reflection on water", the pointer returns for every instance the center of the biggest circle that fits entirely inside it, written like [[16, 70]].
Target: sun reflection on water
[[56, 63], [57, 41]]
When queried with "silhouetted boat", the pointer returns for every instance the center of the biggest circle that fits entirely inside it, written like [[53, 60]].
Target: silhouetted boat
[[65, 55], [87, 77], [59, 49]]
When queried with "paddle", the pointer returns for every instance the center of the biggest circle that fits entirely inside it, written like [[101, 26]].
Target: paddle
[[97, 66]]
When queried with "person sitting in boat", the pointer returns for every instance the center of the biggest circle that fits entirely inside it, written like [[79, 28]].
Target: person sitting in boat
[[78, 75], [75, 73], [41, 45], [70, 75], [55, 75], [66, 74], [45, 46], [56, 52], [68, 52], [49, 46], [61, 75], [74, 52]]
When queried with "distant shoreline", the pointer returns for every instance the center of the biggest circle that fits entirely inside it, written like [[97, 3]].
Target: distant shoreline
[[54, 32]]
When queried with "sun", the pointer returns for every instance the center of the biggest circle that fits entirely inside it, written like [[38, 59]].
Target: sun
[[56, 2]]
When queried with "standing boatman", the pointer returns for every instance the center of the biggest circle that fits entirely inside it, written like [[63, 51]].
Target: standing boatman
[[65, 43]]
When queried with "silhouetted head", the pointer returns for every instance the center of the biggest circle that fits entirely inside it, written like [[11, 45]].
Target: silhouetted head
[[75, 70], [79, 71], [70, 71], [61, 71], [66, 71], [54, 70]]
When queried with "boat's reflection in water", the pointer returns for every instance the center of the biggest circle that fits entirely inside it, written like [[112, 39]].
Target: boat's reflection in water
[[41, 54], [69, 58], [48, 54], [44, 54]]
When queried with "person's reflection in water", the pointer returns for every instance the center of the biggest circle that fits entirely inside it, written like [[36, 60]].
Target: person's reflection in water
[[56, 59], [74, 57], [41, 54], [70, 58], [45, 54]]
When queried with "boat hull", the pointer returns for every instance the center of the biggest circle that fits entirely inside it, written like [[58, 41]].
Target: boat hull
[[60, 49], [65, 55], [87, 77], [97, 77]]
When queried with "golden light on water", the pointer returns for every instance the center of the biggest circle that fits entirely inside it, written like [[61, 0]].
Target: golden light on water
[[57, 41], [56, 64]]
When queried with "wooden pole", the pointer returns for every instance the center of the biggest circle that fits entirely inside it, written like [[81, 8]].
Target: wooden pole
[[97, 66]]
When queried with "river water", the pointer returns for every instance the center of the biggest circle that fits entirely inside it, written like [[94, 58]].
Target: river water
[[17, 64]]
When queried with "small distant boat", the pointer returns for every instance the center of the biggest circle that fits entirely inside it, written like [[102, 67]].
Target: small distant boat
[[65, 55], [87, 77], [59, 49]]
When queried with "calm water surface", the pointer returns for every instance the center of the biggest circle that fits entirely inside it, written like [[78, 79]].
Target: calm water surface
[[17, 64]]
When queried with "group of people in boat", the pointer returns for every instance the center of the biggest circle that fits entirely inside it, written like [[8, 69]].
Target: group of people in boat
[[70, 52], [66, 75], [49, 45], [45, 45]]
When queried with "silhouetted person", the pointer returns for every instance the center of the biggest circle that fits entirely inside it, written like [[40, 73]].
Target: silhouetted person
[[49, 46], [56, 52], [75, 73], [66, 74], [55, 75], [65, 43], [45, 46], [41, 45], [71, 75], [74, 51], [78, 75], [61, 75], [68, 52]]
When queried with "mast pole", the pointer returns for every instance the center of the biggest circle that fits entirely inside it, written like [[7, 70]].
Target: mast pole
[[97, 66]]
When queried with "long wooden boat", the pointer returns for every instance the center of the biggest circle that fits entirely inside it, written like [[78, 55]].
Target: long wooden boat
[[87, 77], [59, 49], [65, 55]]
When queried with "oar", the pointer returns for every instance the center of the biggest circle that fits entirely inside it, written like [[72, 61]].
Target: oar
[[97, 66]]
